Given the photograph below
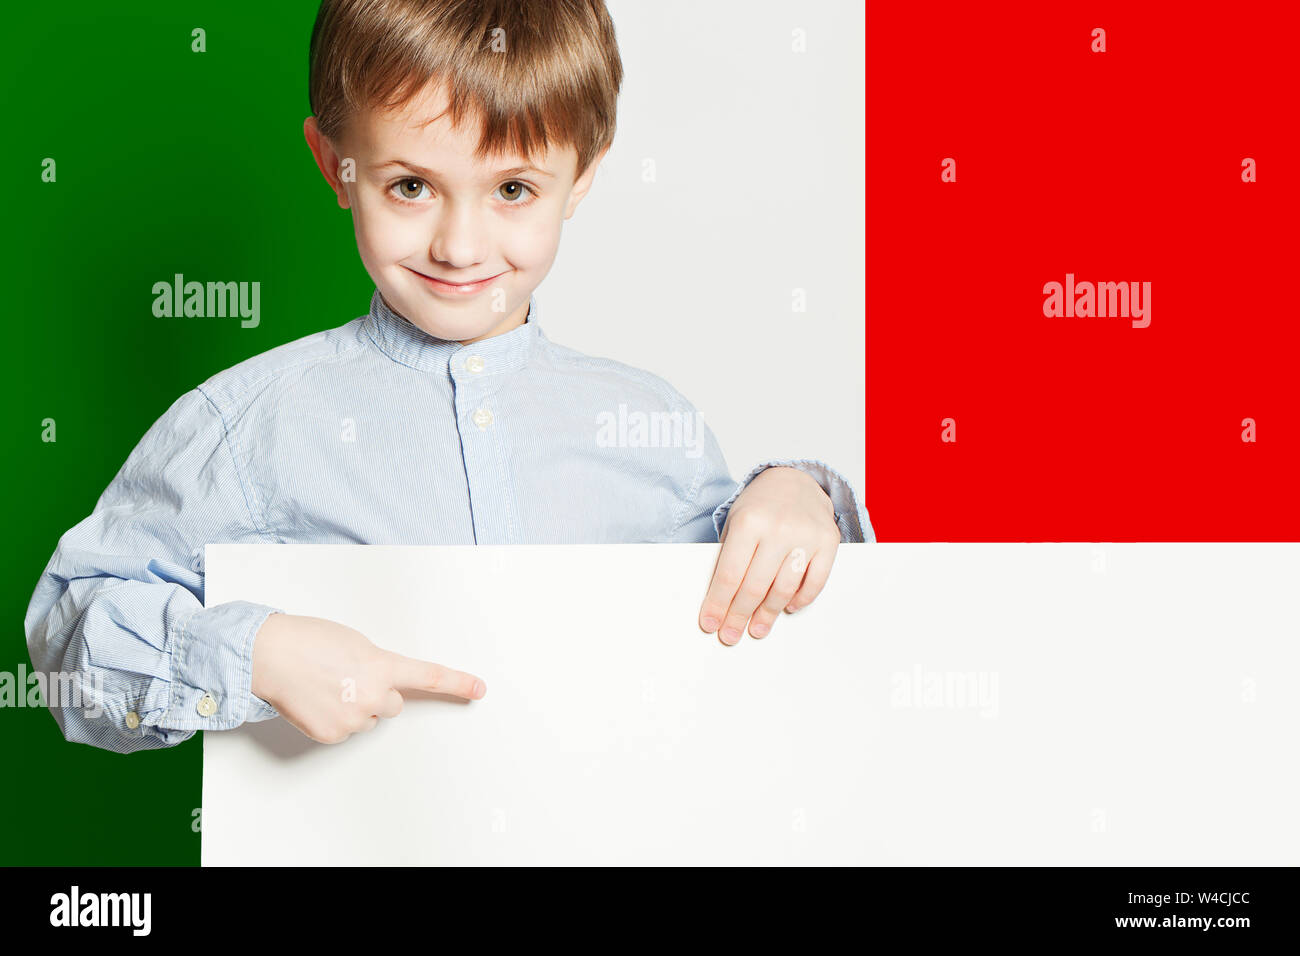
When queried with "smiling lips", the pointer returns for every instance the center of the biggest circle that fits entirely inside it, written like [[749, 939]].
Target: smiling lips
[[458, 288]]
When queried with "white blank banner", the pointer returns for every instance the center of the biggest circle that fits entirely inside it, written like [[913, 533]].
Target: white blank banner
[[1130, 704]]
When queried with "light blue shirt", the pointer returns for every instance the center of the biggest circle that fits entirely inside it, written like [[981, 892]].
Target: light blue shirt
[[371, 433]]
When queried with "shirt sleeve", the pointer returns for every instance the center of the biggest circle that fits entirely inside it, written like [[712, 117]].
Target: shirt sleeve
[[712, 492], [117, 617]]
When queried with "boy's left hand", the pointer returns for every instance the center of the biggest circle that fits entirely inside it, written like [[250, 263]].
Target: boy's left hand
[[778, 545]]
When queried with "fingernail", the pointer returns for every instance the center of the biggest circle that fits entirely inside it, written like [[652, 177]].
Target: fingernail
[[790, 609], [710, 624], [479, 688], [730, 635], [759, 630]]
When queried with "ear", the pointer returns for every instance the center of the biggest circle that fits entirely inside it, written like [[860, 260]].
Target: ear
[[583, 184], [326, 159]]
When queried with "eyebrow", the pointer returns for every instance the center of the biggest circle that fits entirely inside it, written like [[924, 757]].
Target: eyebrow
[[430, 174]]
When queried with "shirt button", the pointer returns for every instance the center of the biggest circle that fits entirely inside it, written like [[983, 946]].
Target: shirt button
[[207, 706], [474, 363], [132, 719], [482, 418]]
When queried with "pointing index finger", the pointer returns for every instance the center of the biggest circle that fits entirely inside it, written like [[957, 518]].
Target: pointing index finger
[[410, 673]]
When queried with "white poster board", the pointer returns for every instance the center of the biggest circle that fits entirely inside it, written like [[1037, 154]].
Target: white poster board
[[1127, 704]]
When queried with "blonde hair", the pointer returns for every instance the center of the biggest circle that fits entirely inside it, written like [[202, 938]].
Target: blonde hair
[[537, 72]]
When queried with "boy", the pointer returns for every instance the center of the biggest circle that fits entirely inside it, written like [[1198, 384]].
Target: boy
[[460, 134]]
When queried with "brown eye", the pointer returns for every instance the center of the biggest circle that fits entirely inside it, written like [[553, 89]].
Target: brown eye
[[410, 188], [512, 191]]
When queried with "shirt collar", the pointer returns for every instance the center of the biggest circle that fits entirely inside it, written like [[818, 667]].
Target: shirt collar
[[404, 342]]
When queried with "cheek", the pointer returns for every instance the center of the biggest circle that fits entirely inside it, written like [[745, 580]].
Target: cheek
[[532, 241], [382, 234]]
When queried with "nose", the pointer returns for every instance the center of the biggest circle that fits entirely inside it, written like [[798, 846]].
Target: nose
[[459, 237]]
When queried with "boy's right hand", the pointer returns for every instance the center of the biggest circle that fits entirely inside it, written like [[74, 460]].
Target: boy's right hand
[[330, 681]]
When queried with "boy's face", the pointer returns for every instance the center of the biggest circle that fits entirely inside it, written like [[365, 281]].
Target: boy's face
[[424, 210]]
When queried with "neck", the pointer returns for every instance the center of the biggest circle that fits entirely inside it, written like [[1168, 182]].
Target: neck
[[512, 321]]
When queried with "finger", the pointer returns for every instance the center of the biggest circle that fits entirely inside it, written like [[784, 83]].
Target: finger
[[312, 732], [783, 589], [392, 705], [412, 674], [758, 581], [335, 735], [819, 569], [371, 723], [737, 549]]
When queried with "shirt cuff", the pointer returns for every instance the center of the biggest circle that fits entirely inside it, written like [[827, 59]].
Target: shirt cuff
[[850, 514], [211, 652]]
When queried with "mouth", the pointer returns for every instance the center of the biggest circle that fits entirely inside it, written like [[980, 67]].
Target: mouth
[[457, 288]]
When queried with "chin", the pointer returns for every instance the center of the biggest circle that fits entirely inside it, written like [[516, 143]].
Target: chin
[[456, 331]]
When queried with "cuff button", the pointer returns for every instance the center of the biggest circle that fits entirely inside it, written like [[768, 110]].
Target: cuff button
[[207, 705]]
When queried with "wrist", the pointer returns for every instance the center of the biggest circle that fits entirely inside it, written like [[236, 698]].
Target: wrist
[[268, 635], [800, 478]]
